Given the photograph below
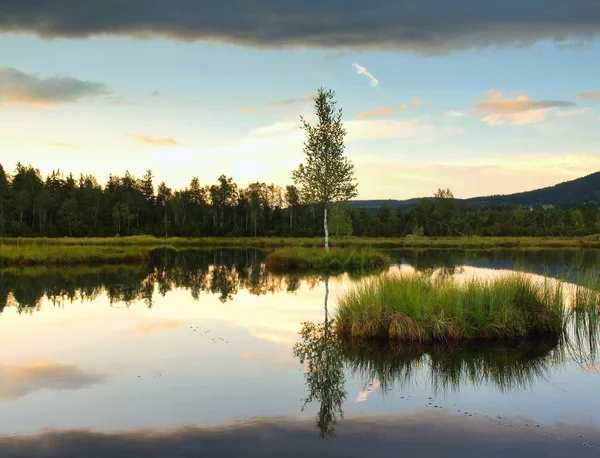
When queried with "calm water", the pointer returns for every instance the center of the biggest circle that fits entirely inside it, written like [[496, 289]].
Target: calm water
[[211, 339]]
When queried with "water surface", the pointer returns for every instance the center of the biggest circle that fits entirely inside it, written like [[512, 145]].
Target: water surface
[[211, 339]]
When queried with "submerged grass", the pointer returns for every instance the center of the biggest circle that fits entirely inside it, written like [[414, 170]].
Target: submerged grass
[[300, 259], [421, 308]]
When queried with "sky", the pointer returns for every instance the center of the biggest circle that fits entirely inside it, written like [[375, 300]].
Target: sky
[[482, 98]]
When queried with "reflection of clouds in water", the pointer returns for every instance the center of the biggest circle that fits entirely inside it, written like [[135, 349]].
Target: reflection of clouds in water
[[464, 273], [280, 358], [454, 435], [154, 325], [20, 380], [362, 396]]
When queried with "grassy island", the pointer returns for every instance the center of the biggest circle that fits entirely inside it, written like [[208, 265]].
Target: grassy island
[[420, 308], [300, 259]]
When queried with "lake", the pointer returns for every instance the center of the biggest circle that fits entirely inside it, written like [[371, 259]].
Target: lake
[[199, 354]]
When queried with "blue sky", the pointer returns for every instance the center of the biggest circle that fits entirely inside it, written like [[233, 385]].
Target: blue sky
[[479, 120]]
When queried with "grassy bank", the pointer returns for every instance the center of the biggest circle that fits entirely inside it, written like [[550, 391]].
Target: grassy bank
[[417, 307], [71, 251], [55, 255], [592, 241], [301, 259]]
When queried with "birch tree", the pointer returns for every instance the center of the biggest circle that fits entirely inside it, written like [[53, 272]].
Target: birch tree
[[327, 176]]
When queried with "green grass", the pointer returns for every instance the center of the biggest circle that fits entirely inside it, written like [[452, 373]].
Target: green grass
[[69, 251], [592, 241], [53, 255], [420, 308], [300, 259]]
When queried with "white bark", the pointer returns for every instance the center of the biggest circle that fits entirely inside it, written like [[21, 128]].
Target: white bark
[[326, 297], [326, 231]]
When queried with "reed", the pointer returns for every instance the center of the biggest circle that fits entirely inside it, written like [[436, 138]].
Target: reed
[[422, 308]]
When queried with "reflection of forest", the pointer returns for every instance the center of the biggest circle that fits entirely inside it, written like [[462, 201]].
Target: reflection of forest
[[554, 263], [222, 272]]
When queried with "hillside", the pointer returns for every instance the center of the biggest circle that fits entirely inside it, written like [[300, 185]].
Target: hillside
[[576, 191]]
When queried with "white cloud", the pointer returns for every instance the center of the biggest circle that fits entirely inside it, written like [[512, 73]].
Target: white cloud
[[415, 130], [571, 113], [411, 131], [277, 129], [455, 114], [517, 119], [363, 71], [496, 109]]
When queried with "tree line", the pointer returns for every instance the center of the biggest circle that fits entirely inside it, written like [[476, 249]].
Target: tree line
[[61, 205]]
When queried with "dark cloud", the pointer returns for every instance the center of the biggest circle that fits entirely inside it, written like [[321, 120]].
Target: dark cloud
[[19, 87], [425, 26], [455, 437]]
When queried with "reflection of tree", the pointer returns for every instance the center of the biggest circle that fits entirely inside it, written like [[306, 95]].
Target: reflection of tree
[[542, 262], [513, 366], [219, 272], [324, 374]]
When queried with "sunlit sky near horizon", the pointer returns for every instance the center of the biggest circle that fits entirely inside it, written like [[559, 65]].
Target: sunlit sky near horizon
[[483, 103]]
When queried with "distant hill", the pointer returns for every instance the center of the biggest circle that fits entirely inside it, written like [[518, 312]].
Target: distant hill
[[577, 191]]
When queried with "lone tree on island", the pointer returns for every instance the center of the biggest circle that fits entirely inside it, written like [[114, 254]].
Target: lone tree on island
[[328, 175]]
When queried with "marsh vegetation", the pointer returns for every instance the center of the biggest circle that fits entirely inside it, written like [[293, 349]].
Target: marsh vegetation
[[420, 307]]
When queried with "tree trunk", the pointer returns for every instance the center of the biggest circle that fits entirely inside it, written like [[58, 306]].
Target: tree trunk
[[326, 297], [326, 226]]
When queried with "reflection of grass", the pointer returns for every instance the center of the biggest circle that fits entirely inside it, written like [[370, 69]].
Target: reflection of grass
[[300, 258], [583, 319], [506, 367], [418, 307]]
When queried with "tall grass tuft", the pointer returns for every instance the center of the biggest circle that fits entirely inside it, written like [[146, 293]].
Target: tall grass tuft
[[300, 258], [421, 308]]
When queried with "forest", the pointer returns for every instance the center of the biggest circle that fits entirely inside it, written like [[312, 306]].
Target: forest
[[61, 205]]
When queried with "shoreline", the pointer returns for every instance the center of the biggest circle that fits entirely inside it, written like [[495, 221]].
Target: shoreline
[[25, 252]]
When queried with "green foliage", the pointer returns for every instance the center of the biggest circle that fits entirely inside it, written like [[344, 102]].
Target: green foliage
[[298, 258], [418, 307], [340, 222], [61, 205], [417, 231], [327, 176]]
